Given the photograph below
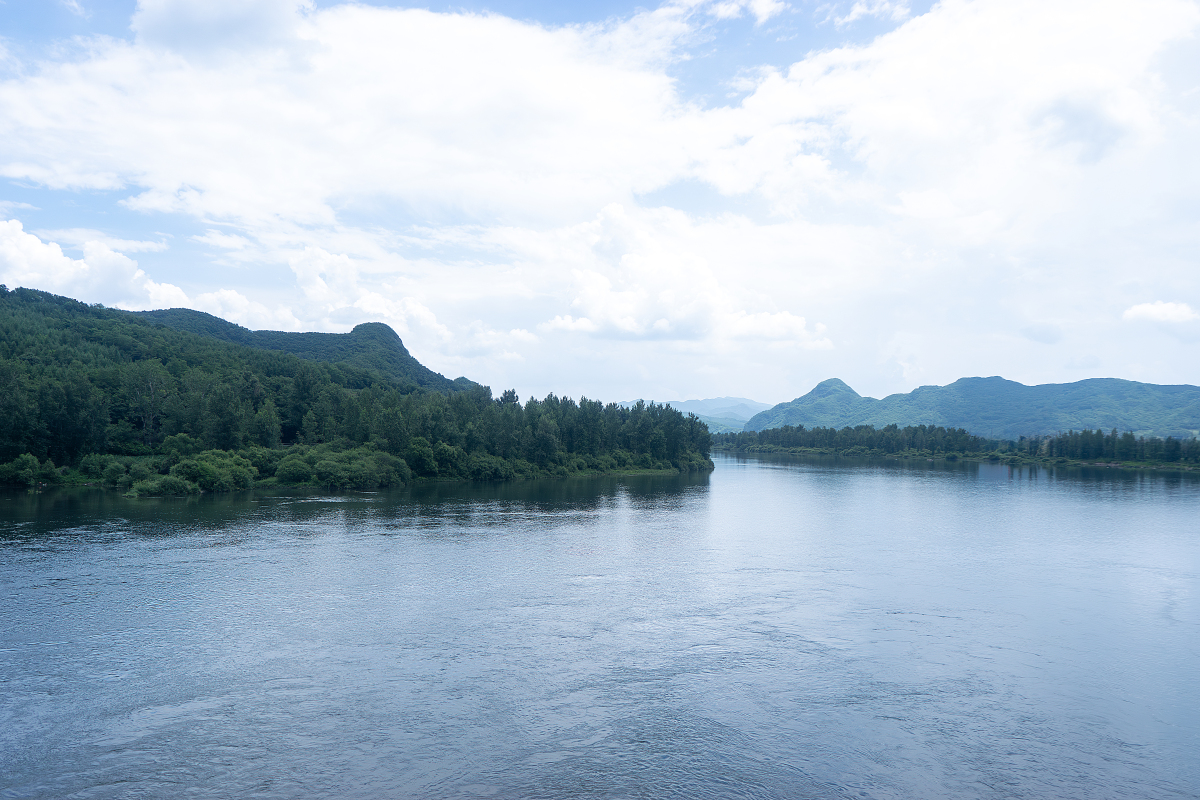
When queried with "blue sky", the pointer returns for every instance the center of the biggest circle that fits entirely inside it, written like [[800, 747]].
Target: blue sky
[[692, 199]]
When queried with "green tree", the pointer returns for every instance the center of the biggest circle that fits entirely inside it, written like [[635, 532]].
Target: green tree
[[267, 426], [147, 385]]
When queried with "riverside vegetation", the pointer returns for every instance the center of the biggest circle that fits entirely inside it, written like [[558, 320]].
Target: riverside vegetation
[[928, 441], [177, 405]]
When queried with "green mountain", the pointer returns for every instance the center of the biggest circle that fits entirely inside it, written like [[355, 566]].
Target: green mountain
[[201, 404], [999, 408], [371, 346]]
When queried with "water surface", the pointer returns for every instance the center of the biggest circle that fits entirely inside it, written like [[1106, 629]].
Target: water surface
[[778, 629]]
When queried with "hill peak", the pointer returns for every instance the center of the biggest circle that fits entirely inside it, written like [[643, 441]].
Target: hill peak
[[376, 329], [369, 345], [831, 387]]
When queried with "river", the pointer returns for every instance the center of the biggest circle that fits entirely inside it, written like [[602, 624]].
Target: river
[[777, 629]]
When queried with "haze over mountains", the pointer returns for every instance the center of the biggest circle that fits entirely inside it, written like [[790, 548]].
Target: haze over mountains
[[999, 408], [720, 414]]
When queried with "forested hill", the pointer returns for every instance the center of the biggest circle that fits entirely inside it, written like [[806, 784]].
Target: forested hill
[[371, 345], [119, 397], [999, 408]]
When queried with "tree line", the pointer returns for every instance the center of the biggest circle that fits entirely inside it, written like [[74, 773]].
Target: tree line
[[1086, 445], [88, 387], [860, 438]]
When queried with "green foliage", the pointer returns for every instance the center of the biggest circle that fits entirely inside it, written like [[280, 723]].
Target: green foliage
[[421, 457], [92, 465], [336, 467], [859, 440], [954, 442], [115, 473], [217, 471], [293, 469], [180, 445], [1111, 447], [25, 470], [129, 401], [266, 427], [163, 485]]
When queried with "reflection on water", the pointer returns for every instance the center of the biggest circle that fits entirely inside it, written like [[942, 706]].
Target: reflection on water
[[64, 508], [782, 628]]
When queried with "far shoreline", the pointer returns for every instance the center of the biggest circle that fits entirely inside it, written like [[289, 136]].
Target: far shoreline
[[978, 458]]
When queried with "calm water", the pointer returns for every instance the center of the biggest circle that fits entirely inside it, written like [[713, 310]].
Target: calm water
[[775, 629]]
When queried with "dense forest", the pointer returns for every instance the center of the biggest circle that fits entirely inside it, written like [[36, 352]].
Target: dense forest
[[88, 392], [954, 442]]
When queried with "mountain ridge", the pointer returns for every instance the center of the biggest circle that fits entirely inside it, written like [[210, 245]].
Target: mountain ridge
[[370, 345], [1001, 408]]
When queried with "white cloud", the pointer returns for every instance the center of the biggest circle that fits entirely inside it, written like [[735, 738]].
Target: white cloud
[[932, 195], [406, 315], [522, 335], [1160, 311], [565, 322], [780, 326], [234, 306], [79, 237], [102, 275], [761, 10], [225, 241], [886, 9]]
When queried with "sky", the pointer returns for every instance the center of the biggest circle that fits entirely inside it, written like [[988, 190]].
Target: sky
[[690, 199]]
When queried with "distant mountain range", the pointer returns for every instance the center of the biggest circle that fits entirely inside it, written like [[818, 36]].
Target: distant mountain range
[[371, 345], [720, 414], [999, 408]]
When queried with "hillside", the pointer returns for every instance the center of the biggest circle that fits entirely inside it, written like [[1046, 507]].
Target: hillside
[[118, 396], [371, 345], [995, 407]]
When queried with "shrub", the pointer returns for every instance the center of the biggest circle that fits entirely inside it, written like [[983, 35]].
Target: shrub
[[421, 457], [140, 471], [293, 469], [181, 446], [21, 471], [265, 460], [114, 473], [201, 473], [451, 460], [484, 467], [93, 464], [332, 474], [216, 471], [164, 485]]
